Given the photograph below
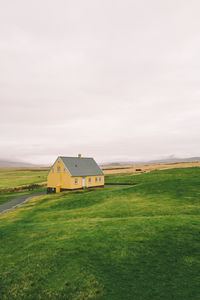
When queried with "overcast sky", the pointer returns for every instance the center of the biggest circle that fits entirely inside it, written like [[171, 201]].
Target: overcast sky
[[116, 80]]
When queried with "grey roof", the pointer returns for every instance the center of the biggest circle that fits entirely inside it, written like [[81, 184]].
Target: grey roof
[[84, 166]]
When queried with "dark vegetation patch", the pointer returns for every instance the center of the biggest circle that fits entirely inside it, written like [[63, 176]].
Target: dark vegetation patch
[[29, 187]]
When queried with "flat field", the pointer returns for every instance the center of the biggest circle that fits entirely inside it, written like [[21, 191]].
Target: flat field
[[148, 168], [138, 242], [11, 178]]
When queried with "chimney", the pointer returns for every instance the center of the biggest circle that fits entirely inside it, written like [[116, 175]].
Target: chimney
[[79, 155]]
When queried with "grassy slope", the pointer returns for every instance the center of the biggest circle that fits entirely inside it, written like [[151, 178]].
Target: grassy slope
[[10, 178], [127, 243]]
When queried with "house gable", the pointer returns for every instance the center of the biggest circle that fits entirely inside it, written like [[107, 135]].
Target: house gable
[[58, 174], [58, 163]]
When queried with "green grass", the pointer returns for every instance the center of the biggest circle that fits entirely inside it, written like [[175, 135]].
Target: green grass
[[10, 178], [139, 242]]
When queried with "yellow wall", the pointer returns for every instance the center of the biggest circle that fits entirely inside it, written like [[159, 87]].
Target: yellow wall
[[58, 179], [93, 182], [87, 183], [65, 181]]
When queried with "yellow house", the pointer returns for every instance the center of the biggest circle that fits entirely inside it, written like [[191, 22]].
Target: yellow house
[[70, 173]]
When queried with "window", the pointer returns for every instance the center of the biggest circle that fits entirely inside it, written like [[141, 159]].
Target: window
[[99, 179], [58, 161], [76, 180], [52, 170], [58, 169], [96, 179], [89, 180]]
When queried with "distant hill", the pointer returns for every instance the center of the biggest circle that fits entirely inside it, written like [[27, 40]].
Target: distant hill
[[12, 164], [169, 160]]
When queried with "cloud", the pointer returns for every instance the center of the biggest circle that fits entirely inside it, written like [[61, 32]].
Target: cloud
[[111, 79]]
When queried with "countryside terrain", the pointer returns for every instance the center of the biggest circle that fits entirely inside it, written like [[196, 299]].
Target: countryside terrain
[[132, 242], [148, 167], [13, 178]]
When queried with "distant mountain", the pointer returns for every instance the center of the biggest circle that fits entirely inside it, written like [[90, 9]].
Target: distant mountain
[[170, 160], [7, 164]]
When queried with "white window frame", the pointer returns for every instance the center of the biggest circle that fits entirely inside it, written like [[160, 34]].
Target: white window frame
[[99, 179], [89, 180], [76, 180], [96, 179]]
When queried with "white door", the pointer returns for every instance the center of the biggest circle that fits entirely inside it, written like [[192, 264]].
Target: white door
[[83, 181]]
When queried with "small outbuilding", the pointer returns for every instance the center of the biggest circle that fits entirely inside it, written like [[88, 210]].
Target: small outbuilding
[[70, 173]]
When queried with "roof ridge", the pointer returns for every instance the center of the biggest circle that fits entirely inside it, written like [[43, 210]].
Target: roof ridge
[[75, 157], [81, 166]]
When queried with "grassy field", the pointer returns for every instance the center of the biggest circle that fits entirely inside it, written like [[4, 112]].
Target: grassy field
[[139, 242], [10, 178]]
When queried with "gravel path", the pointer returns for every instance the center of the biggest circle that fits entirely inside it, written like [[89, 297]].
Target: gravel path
[[18, 200]]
